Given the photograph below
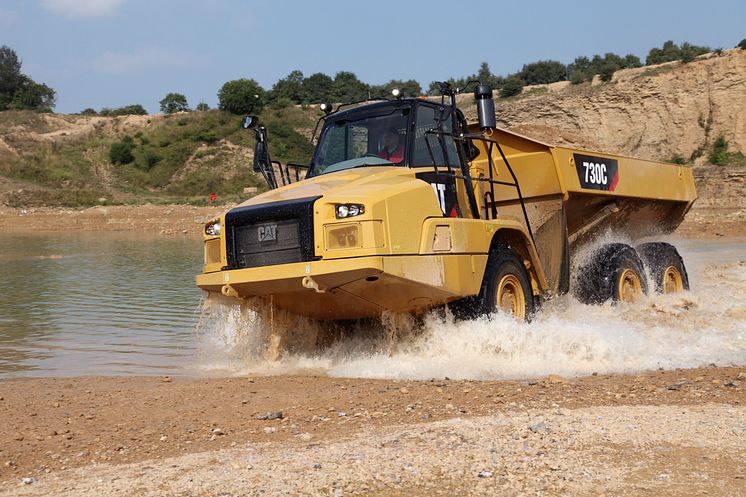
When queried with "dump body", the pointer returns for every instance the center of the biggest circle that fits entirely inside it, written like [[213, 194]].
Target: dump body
[[583, 193], [418, 243]]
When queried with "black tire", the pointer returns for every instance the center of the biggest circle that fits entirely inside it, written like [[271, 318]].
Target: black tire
[[614, 272], [665, 266], [505, 272]]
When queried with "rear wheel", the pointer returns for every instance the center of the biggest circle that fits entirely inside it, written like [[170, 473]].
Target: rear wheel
[[506, 287], [665, 265], [614, 272]]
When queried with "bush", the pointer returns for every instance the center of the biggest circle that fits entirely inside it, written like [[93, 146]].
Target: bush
[[206, 136], [202, 107], [151, 159], [281, 103], [719, 153], [670, 52], [677, 159], [577, 76], [127, 110], [121, 152], [543, 71], [742, 44], [88, 112], [241, 96], [513, 85]]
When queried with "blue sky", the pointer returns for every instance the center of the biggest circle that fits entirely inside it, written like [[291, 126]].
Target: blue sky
[[109, 53]]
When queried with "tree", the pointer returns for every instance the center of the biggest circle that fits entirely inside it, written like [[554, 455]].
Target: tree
[[174, 102], [543, 72], [484, 75], [742, 44], [241, 96], [10, 76], [31, 95], [318, 88], [202, 107], [690, 52], [347, 88], [513, 86], [290, 87], [631, 61], [88, 112], [409, 88]]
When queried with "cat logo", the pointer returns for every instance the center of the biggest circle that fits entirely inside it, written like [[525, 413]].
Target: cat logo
[[267, 233]]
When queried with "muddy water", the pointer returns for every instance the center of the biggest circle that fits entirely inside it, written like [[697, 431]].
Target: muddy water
[[704, 326], [97, 303], [123, 304]]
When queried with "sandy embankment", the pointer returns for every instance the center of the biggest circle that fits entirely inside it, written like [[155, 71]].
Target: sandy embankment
[[719, 211]]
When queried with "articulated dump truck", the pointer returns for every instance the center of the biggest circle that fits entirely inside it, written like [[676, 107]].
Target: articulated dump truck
[[406, 206]]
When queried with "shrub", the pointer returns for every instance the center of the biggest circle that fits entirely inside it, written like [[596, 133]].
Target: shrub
[[677, 159], [206, 136], [742, 44], [202, 107], [281, 103], [88, 112], [543, 71], [121, 152], [719, 153], [151, 158], [127, 110], [577, 76], [513, 85]]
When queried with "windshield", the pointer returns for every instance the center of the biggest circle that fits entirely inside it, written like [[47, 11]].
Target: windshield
[[368, 139]]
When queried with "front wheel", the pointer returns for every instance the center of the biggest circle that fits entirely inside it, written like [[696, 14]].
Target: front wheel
[[506, 288]]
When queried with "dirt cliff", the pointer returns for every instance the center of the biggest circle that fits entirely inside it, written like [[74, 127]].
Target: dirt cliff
[[658, 112]]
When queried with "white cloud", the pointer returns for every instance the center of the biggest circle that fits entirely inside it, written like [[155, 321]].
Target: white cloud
[[83, 8], [7, 18], [144, 58]]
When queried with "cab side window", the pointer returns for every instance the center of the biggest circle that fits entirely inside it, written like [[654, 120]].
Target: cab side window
[[433, 155]]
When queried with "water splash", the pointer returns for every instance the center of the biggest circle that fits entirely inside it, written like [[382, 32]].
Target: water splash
[[704, 326]]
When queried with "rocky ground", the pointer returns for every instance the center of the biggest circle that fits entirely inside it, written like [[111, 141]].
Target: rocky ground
[[662, 433]]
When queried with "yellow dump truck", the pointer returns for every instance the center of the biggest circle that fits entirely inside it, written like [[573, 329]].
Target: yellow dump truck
[[406, 206]]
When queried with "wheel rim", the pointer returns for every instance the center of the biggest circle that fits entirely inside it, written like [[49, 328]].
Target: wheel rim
[[672, 280], [510, 296], [630, 286]]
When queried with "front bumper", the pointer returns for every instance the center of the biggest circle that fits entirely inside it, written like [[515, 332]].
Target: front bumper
[[356, 287]]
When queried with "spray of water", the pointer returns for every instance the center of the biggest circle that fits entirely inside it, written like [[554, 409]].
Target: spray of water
[[703, 326]]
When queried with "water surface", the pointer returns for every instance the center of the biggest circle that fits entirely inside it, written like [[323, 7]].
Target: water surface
[[97, 303], [126, 304]]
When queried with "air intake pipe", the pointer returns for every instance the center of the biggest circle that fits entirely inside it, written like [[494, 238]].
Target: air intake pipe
[[485, 107]]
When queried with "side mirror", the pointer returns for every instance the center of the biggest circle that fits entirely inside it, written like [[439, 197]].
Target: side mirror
[[249, 122]]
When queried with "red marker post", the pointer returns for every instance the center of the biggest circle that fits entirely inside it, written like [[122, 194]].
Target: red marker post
[[213, 197]]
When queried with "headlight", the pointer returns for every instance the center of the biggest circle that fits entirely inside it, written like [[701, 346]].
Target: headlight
[[344, 211], [212, 228]]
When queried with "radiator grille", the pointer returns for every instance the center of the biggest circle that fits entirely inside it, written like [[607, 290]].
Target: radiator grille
[[269, 234]]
